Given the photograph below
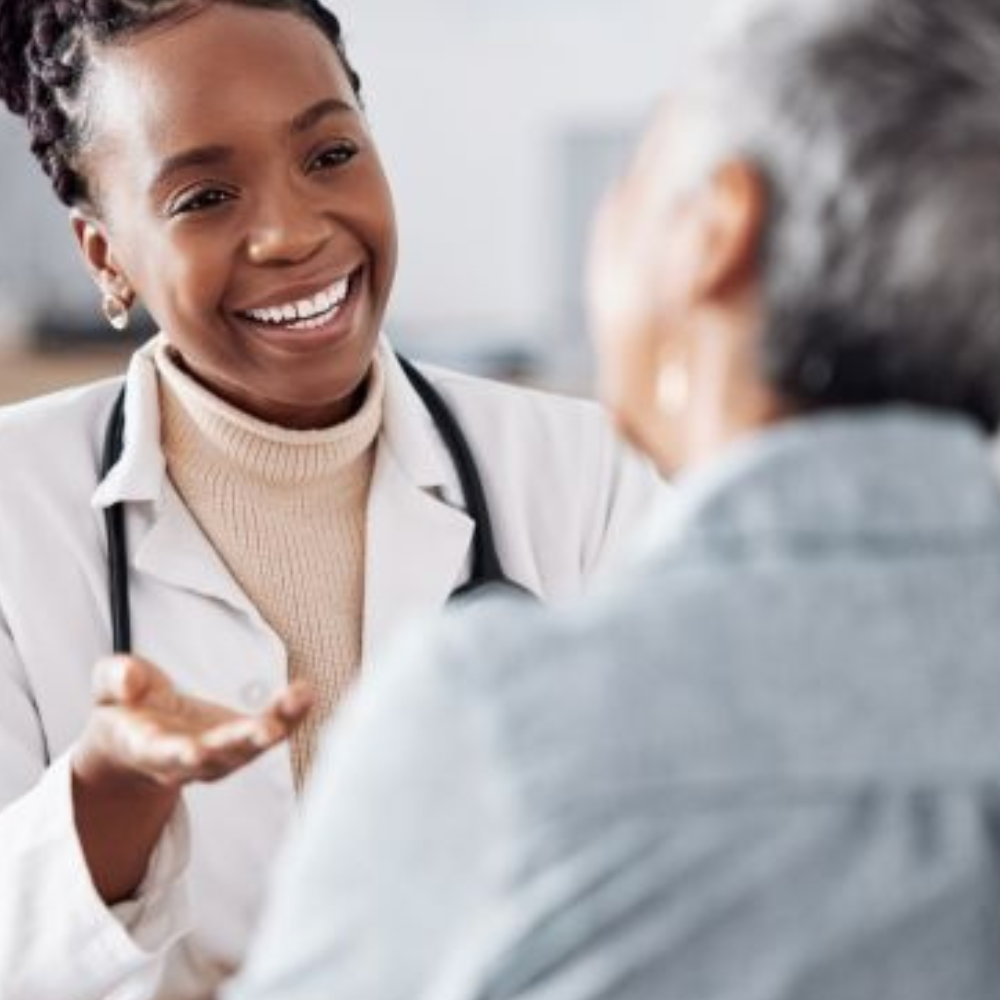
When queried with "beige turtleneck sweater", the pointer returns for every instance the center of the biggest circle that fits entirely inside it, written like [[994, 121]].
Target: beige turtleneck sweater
[[285, 510]]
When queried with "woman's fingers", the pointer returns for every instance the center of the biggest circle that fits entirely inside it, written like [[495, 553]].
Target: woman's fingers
[[119, 680], [231, 745], [127, 680], [177, 759], [152, 729], [221, 749], [292, 705], [250, 733], [253, 734]]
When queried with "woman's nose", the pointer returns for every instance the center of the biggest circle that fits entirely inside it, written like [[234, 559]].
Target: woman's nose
[[288, 229]]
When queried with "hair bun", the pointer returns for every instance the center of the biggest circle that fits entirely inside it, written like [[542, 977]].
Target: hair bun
[[16, 26]]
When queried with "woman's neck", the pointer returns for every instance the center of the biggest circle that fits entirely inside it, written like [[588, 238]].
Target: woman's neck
[[291, 416]]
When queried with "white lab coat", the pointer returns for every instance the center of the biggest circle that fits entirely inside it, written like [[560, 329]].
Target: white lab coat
[[563, 497]]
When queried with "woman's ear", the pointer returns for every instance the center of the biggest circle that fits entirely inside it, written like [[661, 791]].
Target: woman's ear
[[95, 247], [731, 213]]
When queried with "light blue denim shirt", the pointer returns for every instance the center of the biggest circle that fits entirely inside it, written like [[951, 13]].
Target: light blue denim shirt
[[763, 763]]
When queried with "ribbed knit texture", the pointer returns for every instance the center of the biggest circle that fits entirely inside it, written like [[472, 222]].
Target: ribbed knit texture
[[285, 510]]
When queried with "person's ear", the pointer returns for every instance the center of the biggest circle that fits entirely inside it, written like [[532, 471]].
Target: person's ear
[[100, 260], [731, 212]]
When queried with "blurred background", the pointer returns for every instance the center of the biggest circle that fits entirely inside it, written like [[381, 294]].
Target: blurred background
[[499, 121]]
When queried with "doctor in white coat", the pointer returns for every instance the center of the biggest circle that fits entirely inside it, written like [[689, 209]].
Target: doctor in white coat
[[288, 500]]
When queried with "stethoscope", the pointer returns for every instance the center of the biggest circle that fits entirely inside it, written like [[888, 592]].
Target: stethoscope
[[486, 572]]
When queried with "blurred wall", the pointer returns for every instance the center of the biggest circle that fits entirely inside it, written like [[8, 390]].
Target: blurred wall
[[40, 270], [477, 107]]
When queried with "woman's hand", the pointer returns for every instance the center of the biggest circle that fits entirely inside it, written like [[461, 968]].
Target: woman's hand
[[143, 728], [143, 742]]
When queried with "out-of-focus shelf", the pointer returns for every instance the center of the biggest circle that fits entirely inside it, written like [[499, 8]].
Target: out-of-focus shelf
[[28, 372], [25, 373]]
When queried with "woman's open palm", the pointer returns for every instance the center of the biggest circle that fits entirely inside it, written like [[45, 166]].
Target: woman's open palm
[[143, 725]]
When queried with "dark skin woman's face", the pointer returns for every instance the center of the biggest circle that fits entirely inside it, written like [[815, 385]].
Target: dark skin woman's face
[[239, 195]]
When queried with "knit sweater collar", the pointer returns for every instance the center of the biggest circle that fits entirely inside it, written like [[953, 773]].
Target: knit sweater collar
[[205, 428]]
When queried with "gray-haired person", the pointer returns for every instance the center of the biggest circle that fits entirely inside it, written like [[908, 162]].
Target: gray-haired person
[[764, 762]]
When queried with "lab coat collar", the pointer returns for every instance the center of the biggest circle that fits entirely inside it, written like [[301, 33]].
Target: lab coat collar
[[407, 431], [140, 473], [418, 534], [165, 540]]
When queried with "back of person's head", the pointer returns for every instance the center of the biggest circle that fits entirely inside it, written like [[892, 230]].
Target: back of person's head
[[875, 126]]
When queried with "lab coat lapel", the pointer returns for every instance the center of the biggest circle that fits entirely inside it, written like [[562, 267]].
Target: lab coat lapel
[[419, 536], [175, 551], [164, 540]]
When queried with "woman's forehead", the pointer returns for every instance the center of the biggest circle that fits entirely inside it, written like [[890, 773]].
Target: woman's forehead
[[225, 66]]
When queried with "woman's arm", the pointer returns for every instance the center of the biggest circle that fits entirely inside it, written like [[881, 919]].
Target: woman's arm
[[58, 940], [119, 820], [83, 832]]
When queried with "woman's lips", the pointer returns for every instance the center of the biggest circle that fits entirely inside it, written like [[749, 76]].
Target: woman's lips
[[313, 307], [329, 325]]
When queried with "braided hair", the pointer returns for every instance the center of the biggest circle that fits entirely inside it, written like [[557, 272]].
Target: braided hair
[[45, 47]]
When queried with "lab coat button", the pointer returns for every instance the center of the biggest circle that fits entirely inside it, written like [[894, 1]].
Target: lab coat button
[[254, 695]]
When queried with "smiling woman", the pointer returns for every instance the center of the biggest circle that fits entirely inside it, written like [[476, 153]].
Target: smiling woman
[[284, 499], [217, 217]]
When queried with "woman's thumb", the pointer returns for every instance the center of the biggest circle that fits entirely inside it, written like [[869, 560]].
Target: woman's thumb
[[122, 680]]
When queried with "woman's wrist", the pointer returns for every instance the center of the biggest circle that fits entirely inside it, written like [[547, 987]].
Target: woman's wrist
[[120, 815], [98, 772]]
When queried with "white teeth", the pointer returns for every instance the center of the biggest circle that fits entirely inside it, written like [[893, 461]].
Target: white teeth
[[305, 310], [339, 291]]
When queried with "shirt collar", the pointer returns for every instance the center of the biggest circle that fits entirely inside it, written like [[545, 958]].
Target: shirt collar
[[895, 471]]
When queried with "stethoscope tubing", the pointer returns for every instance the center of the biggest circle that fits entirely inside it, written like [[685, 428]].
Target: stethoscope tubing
[[486, 571]]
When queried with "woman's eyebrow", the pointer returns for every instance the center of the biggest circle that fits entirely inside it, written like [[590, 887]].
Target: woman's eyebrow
[[317, 112], [200, 156], [206, 156]]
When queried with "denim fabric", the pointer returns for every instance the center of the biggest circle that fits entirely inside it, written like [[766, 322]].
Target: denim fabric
[[763, 763]]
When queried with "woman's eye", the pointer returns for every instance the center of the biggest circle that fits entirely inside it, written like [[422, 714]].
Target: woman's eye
[[334, 156], [200, 200]]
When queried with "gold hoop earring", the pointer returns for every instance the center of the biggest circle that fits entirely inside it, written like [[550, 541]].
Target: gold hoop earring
[[673, 388], [115, 312]]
